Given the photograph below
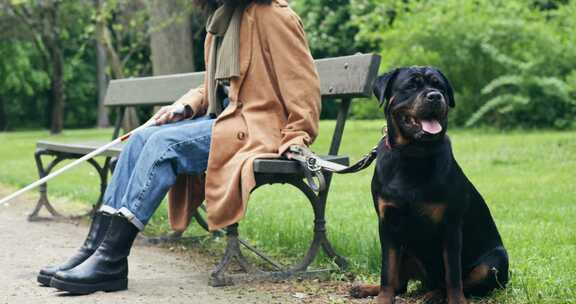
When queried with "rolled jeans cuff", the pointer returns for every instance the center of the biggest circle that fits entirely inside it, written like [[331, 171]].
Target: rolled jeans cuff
[[125, 213], [108, 210], [131, 218]]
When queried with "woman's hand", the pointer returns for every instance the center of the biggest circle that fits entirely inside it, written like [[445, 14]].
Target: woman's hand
[[289, 154], [169, 114]]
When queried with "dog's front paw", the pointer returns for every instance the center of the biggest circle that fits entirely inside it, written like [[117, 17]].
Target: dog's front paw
[[384, 298], [364, 291]]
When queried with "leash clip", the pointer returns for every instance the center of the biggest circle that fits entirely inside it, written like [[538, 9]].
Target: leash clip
[[312, 164], [312, 169]]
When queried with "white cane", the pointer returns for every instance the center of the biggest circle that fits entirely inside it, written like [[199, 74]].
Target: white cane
[[86, 157]]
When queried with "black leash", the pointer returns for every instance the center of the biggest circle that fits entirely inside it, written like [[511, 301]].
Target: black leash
[[314, 164], [362, 164]]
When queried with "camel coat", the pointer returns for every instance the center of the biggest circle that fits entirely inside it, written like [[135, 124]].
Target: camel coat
[[275, 103]]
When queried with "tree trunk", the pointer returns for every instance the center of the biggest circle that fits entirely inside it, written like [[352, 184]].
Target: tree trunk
[[171, 39], [102, 81], [57, 79], [130, 121], [103, 121], [52, 43]]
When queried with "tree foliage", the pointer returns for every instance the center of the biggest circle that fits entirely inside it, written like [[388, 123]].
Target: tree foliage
[[512, 63], [328, 26], [47, 35]]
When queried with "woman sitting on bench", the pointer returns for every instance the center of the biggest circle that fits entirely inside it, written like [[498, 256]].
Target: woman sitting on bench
[[261, 96]]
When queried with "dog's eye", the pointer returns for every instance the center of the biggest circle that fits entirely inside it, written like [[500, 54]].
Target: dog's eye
[[411, 86], [435, 81]]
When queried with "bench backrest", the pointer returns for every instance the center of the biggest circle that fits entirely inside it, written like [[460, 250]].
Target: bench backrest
[[341, 77]]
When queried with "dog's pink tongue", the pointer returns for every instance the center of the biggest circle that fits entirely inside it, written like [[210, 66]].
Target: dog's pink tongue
[[431, 126]]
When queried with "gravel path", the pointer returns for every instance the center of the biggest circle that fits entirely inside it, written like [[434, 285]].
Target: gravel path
[[156, 274]]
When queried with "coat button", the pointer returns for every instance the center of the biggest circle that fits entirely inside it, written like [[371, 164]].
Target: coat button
[[241, 135]]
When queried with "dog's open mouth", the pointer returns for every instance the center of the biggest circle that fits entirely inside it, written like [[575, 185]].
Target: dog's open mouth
[[429, 125]]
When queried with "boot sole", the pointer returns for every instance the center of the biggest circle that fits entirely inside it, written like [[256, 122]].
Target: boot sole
[[44, 279], [79, 288]]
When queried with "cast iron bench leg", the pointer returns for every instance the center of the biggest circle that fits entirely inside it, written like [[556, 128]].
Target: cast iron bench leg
[[43, 189], [320, 237], [218, 277], [320, 240], [103, 174]]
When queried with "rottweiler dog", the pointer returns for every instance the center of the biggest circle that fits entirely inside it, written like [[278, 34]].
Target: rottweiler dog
[[434, 225]]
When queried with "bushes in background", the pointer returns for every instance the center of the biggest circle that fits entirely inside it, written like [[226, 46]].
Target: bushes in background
[[512, 64]]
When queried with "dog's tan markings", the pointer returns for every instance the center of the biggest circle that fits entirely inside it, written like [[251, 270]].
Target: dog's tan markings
[[393, 273], [434, 211], [399, 139], [364, 291], [477, 276], [382, 206]]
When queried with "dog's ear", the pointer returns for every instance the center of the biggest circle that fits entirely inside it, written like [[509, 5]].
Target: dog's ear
[[383, 87], [449, 90]]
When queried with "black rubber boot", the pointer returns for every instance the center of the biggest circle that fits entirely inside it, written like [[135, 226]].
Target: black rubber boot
[[100, 223], [106, 269]]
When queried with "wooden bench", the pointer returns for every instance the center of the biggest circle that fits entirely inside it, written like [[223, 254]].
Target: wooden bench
[[342, 78]]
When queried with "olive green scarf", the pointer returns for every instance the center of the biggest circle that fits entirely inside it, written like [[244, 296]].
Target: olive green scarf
[[224, 60]]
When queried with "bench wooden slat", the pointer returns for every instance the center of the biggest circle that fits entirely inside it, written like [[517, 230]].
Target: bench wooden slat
[[348, 76], [78, 148], [155, 90]]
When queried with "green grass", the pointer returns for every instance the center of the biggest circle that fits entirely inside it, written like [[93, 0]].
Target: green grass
[[527, 177]]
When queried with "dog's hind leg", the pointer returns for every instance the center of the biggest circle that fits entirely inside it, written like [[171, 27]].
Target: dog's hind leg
[[490, 273]]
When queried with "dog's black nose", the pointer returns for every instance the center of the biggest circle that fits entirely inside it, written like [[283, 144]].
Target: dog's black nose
[[434, 96]]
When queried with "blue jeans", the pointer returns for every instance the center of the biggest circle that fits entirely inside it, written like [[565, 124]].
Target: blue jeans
[[149, 164]]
